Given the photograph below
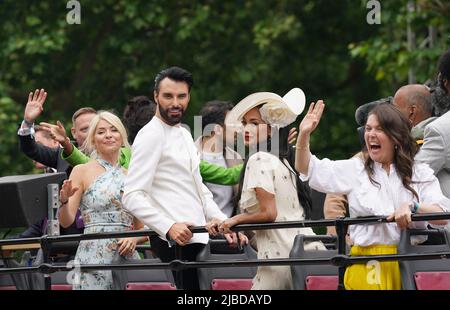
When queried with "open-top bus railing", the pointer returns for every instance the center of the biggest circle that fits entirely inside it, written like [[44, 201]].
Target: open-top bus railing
[[342, 260]]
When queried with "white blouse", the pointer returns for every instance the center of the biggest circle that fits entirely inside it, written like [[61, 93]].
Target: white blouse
[[366, 199]]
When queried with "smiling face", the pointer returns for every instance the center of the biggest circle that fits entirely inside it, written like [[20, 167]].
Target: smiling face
[[172, 99], [379, 145], [107, 138], [255, 130]]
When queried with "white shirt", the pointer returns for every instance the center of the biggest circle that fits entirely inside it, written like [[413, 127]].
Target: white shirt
[[25, 130], [222, 194], [366, 199], [163, 185]]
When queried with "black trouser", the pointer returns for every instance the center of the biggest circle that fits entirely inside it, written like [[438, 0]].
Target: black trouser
[[188, 253]]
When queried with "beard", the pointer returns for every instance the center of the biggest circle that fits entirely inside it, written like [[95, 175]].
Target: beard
[[171, 119]]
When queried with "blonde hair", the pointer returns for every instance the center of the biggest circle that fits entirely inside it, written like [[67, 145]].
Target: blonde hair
[[89, 144]]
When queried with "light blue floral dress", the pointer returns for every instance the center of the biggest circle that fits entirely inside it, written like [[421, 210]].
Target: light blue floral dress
[[102, 211]]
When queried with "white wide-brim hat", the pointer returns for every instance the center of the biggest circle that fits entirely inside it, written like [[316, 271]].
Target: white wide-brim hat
[[276, 111]]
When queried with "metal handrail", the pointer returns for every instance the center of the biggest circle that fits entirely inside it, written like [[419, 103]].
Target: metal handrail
[[243, 227], [337, 260], [341, 260]]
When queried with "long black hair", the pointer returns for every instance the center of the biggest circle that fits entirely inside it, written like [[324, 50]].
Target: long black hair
[[285, 152]]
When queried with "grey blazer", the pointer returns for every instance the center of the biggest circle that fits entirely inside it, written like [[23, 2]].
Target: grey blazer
[[435, 150]]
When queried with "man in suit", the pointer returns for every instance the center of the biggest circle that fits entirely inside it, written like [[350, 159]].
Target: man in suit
[[43, 137], [415, 102], [435, 150], [48, 155]]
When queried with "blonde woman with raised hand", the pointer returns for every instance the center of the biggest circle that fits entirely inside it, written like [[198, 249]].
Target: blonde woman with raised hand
[[96, 188]]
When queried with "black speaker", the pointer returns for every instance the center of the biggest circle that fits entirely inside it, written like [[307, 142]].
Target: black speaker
[[24, 198]]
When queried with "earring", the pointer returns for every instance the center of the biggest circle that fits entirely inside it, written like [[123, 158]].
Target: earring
[[396, 146]]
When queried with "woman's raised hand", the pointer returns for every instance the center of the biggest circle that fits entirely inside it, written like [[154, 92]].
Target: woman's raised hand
[[312, 118], [66, 191]]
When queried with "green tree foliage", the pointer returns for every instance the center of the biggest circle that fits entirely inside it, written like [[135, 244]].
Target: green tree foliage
[[387, 54], [11, 161], [233, 48]]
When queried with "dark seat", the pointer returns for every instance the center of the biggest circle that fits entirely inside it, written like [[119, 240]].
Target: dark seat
[[318, 199], [6, 282], [15, 281], [60, 279], [35, 280], [145, 250], [225, 278], [142, 279], [312, 277], [429, 274]]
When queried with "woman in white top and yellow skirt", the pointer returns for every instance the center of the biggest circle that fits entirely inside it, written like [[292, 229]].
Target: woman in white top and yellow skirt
[[384, 182]]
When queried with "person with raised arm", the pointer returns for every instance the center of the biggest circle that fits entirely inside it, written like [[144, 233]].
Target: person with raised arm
[[270, 189], [385, 181], [96, 189]]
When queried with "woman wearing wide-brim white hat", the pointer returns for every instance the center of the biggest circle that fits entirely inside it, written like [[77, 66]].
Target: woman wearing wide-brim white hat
[[270, 189]]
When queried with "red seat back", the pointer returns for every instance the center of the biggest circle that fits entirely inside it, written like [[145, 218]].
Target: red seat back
[[8, 288], [149, 286], [232, 284], [322, 283], [436, 280], [61, 287]]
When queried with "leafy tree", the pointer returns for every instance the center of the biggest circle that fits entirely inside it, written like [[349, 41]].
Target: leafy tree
[[233, 48], [389, 56]]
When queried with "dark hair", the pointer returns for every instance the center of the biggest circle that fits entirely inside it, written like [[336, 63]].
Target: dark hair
[[285, 152], [444, 69], [176, 74], [137, 113], [45, 134], [440, 99], [214, 112], [398, 128]]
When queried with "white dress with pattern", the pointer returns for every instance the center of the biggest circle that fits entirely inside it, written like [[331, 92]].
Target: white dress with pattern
[[101, 208], [266, 171]]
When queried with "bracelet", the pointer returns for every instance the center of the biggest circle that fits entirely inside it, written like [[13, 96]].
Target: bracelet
[[301, 147], [414, 206], [64, 203]]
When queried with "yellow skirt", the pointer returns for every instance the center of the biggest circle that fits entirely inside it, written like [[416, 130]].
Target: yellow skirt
[[373, 275]]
